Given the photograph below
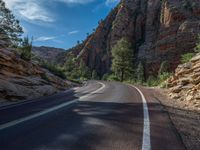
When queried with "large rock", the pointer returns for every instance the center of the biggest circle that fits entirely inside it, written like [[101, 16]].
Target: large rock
[[185, 84], [20, 79]]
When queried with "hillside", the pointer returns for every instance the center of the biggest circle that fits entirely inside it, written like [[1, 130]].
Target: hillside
[[158, 30], [20, 79], [49, 54]]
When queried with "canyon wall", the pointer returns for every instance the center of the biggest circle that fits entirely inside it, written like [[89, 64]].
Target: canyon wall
[[158, 30]]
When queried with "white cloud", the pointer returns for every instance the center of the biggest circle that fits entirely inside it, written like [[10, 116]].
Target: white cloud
[[110, 2], [73, 32], [76, 1], [45, 38], [30, 10]]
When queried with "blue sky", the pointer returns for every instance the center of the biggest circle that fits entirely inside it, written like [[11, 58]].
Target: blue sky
[[59, 23]]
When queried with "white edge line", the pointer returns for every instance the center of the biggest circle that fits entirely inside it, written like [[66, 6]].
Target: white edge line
[[18, 121], [146, 143], [101, 88]]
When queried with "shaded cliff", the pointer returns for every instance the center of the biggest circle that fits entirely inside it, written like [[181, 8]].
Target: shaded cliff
[[158, 30]]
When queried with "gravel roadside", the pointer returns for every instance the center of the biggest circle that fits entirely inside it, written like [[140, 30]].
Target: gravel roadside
[[185, 119]]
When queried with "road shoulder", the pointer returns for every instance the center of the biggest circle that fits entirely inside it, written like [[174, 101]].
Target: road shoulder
[[185, 121]]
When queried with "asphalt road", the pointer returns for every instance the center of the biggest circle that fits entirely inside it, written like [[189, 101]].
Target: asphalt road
[[97, 116]]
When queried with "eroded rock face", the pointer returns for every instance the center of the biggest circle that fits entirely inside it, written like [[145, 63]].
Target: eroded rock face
[[49, 54], [185, 84], [20, 79], [158, 30]]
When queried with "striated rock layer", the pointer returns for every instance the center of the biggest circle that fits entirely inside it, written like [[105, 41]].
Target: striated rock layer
[[20, 79], [185, 84], [158, 30]]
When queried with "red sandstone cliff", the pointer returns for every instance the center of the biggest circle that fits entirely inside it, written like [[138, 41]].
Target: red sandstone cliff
[[159, 30]]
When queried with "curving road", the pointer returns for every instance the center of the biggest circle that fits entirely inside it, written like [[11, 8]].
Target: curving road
[[97, 116]]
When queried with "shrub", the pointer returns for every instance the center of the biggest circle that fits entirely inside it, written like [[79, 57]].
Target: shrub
[[152, 81], [95, 75], [56, 70], [163, 67], [105, 77], [113, 77], [25, 49], [164, 76], [186, 57]]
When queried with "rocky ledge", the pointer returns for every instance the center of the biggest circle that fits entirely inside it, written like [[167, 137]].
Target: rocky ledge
[[20, 79], [185, 84]]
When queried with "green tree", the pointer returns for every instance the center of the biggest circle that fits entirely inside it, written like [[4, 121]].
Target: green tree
[[122, 63], [84, 70], [69, 64], [26, 48], [140, 73], [10, 29]]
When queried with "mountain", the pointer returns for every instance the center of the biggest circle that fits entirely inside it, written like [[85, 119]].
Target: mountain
[[159, 30], [49, 54]]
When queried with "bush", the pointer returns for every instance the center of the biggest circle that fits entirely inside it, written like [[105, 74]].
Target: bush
[[152, 81], [163, 67], [110, 77], [25, 49], [95, 75], [105, 76], [186, 57], [164, 76], [56, 70], [113, 77]]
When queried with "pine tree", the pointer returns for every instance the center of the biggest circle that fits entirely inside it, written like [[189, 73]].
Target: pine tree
[[122, 63], [10, 29]]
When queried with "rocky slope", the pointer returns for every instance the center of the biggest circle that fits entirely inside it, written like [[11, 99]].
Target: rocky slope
[[49, 54], [20, 79], [185, 84], [159, 30]]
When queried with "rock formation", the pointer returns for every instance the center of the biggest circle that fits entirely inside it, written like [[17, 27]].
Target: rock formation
[[49, 54], [185, 84], [20, 79], [158, 30]]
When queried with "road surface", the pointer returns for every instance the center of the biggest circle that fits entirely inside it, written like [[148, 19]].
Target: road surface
[[97, 116]]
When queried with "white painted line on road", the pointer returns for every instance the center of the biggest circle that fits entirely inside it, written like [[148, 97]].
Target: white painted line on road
[[15, 122], [146, 143], [101, 88], [18, 121]]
